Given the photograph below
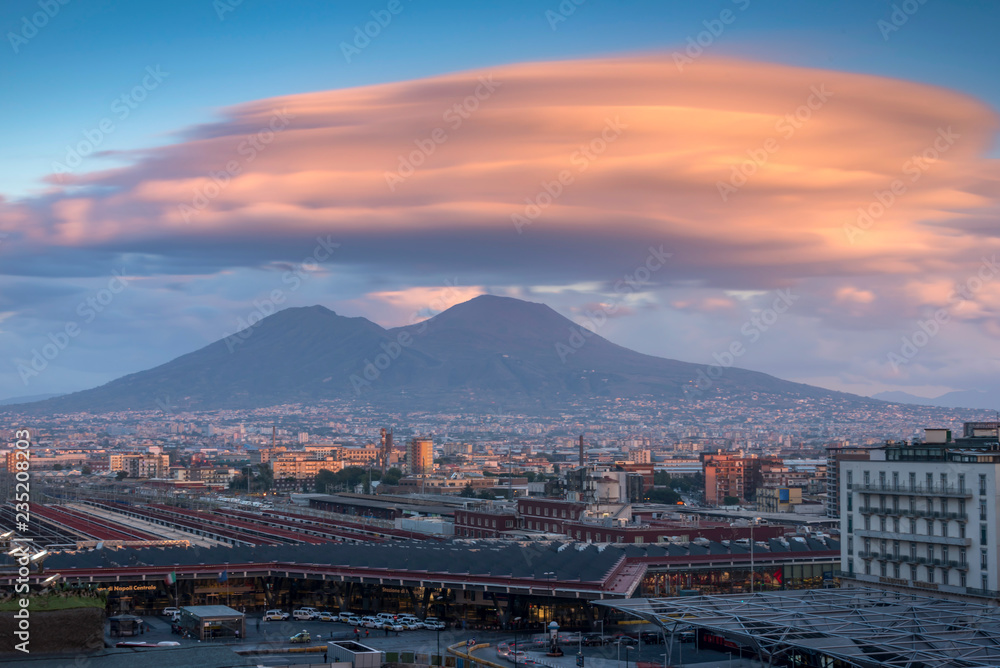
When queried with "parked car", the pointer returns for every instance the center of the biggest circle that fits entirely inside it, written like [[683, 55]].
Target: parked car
[[592, 639], [393, 626], [434, 624], [275, 616], [686, 636], [386, 616], [625, 640], [170, 612], [371, 622], [651, 637], [326, 617], [305, 614], [353, 620], [569, 638], [411, 623], [518, 656], [301, 637]]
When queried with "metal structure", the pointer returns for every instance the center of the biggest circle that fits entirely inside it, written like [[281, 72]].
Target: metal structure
[[861, 627]]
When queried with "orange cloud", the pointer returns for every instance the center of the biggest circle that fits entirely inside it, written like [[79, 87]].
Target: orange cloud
[[626, 149]]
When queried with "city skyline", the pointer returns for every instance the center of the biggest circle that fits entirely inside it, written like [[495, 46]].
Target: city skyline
[[813, 186]]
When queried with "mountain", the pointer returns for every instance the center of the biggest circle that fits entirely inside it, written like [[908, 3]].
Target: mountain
[[487, 350], [974, 399], [27, 399]]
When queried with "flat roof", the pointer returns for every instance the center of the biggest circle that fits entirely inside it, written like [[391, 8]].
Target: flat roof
[[861, 626], [205, 611]]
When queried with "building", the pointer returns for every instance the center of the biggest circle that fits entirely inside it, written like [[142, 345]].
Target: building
[[420, 456], [778, 499], [924, 515], [140, 465], [834, 455], [302, 467], [355, 456]]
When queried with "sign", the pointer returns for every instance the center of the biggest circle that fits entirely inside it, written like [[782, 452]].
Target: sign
[[128, 588], [579, 660]]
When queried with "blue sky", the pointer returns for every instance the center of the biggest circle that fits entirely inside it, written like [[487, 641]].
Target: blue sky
[[61, 82]]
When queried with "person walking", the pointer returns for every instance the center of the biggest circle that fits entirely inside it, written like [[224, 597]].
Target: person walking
[[357, 633]]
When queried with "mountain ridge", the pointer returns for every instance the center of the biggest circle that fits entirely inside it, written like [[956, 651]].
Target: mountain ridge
[[486, 350]]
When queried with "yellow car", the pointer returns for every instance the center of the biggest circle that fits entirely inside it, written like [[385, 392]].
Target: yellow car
[[302, 636]]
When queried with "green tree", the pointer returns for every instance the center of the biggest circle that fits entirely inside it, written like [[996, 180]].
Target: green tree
[[467, 491], [57, 467], [663, 495], [392, 476], [326, 481], [86, 470], [731, 501], [121, 475]]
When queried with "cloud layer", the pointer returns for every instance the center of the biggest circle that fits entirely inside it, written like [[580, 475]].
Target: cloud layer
[[870, 196]]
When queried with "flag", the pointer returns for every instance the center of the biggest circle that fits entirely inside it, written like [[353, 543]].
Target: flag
[[223, 576], [171, 578]]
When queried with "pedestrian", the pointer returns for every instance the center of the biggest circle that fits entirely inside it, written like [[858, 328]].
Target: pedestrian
[[367, 631], [357, 634], [324, 657], [237, 635], [258, 626], [386, 628]]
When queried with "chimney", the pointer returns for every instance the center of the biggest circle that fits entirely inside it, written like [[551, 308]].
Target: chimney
[[581, 450]]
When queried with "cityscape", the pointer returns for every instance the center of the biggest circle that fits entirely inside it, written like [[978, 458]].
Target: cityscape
[[530, 334]]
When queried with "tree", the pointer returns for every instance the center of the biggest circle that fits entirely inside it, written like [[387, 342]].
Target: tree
[[86, 470], [121, 475], [663, 495], [467, 491], [326, 480], [731, 501], [57, 467], [392, 477]]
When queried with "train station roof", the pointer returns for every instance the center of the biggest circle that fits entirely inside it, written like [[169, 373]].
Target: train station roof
[[862, 627]]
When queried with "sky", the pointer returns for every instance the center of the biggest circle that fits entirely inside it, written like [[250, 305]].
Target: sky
[[803, 188]]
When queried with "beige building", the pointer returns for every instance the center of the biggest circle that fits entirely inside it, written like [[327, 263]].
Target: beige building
[[355, 456], [140, 466], [302, 467], [420, 456]]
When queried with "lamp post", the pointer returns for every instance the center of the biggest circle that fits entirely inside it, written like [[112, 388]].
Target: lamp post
[[753, 523], [516, 622], [628, 648]]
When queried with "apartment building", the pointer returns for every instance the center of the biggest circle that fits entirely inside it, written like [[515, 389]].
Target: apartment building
[[302, 467], [924, 515], [420, 456]]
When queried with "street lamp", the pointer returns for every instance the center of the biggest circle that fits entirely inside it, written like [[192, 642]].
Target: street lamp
[[628, 648], [753, 523], [516, 623]]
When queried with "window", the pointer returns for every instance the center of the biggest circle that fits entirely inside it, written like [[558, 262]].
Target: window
[[930, 481], [961, 530], [895, 571], [982, 485], [881, 479], [867, 477], [881, 524], [944, 481], [850, 478], [868, 523], [881, 567], [983, 560], [961, 556], [895, 524], [546, 511], [850, 504], [895, 479], [895, 549], [982, 510], [961, 482], [986, 581], [868, 546], [913, 481], [982, 534], [868, 568], [913, 573], [850, 545], [962, 580], [850, 523], [930, 574], [895, 504]]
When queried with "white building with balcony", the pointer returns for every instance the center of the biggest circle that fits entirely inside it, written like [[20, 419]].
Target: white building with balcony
[[924, 515]]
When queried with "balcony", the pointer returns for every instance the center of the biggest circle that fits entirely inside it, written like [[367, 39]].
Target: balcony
[[960, 565], [914, 537], [915, 490]]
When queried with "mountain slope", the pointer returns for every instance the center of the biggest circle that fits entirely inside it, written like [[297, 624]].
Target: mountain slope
[[487, 350]]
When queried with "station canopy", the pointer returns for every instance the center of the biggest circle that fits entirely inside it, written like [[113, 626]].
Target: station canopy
[[863, 627]]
